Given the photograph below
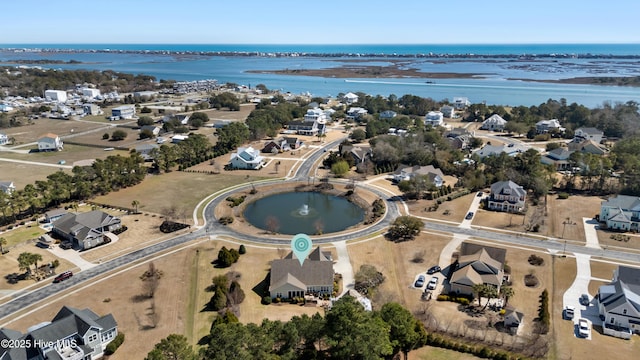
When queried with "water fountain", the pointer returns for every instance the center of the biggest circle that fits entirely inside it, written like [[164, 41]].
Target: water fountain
[[304, 210]]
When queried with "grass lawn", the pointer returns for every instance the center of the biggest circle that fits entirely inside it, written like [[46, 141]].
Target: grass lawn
[[434, 353], [22, 234], [70, 154], [180, 190], [23, 174]]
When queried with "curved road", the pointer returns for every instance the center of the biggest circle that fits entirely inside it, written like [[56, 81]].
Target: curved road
[[212, 227]]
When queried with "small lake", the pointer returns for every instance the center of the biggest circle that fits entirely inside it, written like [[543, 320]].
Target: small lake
[[303, 212]]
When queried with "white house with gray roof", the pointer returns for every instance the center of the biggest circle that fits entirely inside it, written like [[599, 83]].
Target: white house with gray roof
[[621, 213], [246, 158], [588, 133], [85, 230], [494, 123], [507, 196], [73, 334], [290, 279], [619, 303]]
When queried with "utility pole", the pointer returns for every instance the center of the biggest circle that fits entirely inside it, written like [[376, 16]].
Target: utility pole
[[566, 222]]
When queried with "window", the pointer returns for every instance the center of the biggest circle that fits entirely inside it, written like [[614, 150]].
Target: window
[[93, 337], [624, 311], [612, 320]]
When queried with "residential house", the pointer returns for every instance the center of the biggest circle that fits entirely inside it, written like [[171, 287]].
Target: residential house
[[459, 138], [477, 264], [461, 103], [512, 318], [4, 139], [50, 142], [72, 334], [290, 279], [123, 112], [350, 98], [318, 117], [621, 212], [7, 187], [404, 172], [434, 118], [5, 108], [507, 196], [90, 93], [146, 151], [545, 126], [182, 119], [388, 114], [178, 138], [359, 153], [281, 144], [588, 133], [85, 230], [559, 158], [587, 147], [495, 122], [448, 111], [56, 95], [246, 158], [155, 130], [53, 215], [509, 149], [356, 113], [619, 303]]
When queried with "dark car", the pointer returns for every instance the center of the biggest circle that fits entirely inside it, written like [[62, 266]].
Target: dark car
[[433, 269], [42, 245], [584, 299], [479, 194], [64, 276], [469, 215], [420, 282], [66, 245]]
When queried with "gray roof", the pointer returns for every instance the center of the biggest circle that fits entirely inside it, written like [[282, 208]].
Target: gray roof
[[624, 202], [591, 131], [317, 269], [626, 288], [559, 153], [81, 224], [500, 187], [55, 212]]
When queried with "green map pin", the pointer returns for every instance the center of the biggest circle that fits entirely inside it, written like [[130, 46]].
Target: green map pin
[[301, 245]]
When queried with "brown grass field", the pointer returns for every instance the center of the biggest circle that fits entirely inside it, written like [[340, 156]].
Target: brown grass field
[[70, 154], [23, 174], [30, 133]]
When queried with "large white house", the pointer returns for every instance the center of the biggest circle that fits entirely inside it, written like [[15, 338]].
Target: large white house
[[350, 98], [123, 112], [406, 173], [434, 118], [50, 142], [56, 95], [90, 93], [461, 103], [588, 133], [74, 334], [619, 303], [246, 158], [507, 196], [545, 126], [621, 213], [494, 123]]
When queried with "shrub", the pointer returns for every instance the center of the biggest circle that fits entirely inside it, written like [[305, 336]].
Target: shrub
[[114, 344], [535, 260], [235, 201], [563, 195], [242, 250], [266, 300], [171, 226], [105, 136], [226, 220], [443, 297], [55, 263]]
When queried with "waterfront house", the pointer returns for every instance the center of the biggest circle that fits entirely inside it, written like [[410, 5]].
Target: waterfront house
[[350, 98], [356, 113], [461, 103], [448, 111], [545, 126], [507, 196]]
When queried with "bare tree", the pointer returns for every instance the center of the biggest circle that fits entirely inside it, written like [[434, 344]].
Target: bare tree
[[272, 223], [151, 280], [282, 252]]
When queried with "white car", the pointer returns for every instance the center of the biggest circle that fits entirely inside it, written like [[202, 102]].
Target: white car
[[433, 283], [584, 328], [569, 311]]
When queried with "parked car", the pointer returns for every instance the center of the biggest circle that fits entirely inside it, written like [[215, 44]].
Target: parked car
[[433, 269], [479, 194], [469, 215], [66, 245], [569, 312], [584, 299], [584, 328], [42, 245], [64, 276], [420, 282], [433, 283]]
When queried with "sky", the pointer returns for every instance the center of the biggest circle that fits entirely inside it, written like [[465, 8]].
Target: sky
[[318, 22]]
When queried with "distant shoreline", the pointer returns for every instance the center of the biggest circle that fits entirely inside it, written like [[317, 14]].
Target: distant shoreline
[[430, 55]]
